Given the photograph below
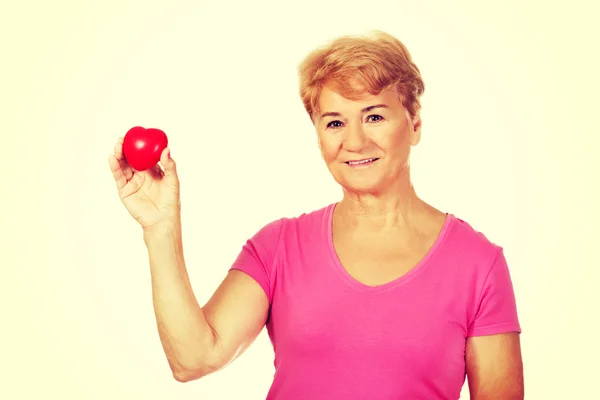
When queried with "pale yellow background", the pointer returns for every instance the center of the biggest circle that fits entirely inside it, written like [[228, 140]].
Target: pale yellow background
[[509, 136]]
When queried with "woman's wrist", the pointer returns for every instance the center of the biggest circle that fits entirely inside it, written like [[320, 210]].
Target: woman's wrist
[[169, 228]]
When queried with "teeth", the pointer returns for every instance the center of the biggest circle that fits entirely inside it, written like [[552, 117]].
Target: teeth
[[360, 162]]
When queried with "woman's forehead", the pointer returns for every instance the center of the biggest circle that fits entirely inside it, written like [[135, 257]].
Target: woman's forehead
[[333, 100]]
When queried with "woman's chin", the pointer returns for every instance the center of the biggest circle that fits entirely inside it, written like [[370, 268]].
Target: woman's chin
[[362, 186]]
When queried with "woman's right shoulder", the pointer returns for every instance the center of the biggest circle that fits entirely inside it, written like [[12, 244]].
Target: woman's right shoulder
[[279, 231], [265, 249]]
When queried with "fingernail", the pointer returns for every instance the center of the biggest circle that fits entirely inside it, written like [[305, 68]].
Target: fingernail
[[169, 154]]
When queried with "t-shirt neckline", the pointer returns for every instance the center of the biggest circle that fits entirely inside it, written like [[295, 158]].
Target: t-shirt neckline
[[360, 286]]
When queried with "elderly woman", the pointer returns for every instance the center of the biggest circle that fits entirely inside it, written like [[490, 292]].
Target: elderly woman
[[377, 296]]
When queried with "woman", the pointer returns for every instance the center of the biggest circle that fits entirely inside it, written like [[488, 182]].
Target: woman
[[378, 296]]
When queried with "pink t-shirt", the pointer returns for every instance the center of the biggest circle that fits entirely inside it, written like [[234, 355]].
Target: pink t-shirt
[[337, 339]]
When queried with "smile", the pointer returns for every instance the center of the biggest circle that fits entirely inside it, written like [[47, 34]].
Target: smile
[[363, 162]]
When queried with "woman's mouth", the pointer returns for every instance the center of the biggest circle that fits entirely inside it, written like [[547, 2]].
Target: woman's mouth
[[362, 163]]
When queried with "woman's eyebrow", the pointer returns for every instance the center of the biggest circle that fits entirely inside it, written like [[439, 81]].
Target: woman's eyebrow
[[364, 110]]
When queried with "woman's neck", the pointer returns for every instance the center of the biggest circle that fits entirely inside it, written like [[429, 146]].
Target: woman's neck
[[392, 210]]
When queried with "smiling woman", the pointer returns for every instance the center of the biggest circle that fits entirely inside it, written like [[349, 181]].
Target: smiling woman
[[379, 295], [372, 135]]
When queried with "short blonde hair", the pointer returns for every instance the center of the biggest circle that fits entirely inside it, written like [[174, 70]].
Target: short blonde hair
[[358, 64]]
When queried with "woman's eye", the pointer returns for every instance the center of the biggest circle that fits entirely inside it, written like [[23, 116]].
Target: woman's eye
[[374, 118], [334, 124]]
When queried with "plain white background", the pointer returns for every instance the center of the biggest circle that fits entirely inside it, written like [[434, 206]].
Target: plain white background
[[509, 137]]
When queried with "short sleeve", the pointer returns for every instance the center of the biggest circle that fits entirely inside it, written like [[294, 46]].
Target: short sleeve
[[257, 256], [496, 308]]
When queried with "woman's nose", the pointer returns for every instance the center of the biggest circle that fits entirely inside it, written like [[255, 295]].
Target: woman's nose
[[355, 138]]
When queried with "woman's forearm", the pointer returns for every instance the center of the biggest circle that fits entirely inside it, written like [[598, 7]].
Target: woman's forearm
[[186, 337]]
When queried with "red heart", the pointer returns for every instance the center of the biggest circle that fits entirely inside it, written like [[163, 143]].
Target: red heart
[[142, 147]]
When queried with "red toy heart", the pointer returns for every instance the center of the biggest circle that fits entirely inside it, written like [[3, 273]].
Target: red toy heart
[[142, 147]]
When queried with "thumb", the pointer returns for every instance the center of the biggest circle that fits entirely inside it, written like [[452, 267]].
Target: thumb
[[169, 166]]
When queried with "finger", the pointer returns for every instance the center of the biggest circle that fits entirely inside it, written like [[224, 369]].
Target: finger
[[168, 163], [127, 170], [117, 172], [133, 186], [171, 178], [118, 151]]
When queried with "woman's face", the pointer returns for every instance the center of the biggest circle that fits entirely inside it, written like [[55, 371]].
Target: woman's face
[[375, 130]]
